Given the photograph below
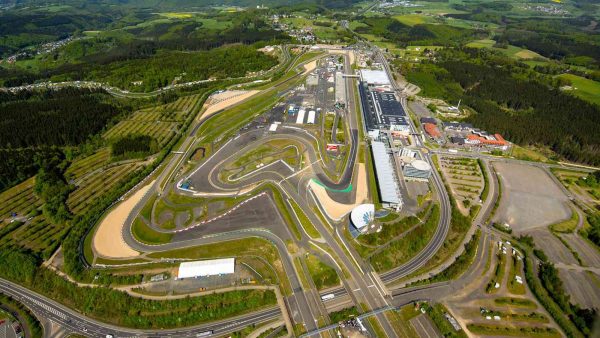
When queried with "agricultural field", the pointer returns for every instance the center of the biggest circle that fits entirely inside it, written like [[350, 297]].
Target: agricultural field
[[97, 183], [465, 179], [510, 51], [20, 201], [161, 122], [500, 303], [28, 228]]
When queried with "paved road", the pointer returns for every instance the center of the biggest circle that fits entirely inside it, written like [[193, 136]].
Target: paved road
[[76, 322]]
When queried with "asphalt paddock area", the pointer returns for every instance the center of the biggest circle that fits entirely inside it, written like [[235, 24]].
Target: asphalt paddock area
[[530, 198], [257, 213]]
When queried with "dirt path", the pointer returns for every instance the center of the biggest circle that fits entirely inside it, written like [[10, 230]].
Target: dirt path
[[337, 210], [108, 241], [225, 100]]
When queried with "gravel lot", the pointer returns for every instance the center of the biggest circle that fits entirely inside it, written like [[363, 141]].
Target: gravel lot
[[552, 246], [582, 287], [530, 199]]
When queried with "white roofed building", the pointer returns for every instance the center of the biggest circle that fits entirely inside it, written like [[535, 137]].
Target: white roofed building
[[388, 187], [362, 215], [375, 77], [206, 268]]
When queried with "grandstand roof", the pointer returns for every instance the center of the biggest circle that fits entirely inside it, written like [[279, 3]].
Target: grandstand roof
[[385, 174]]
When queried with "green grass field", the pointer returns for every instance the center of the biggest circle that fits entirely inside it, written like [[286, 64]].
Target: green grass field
[[510, 51], [413, 19], [323, 275], [586, 89], [143, 233]]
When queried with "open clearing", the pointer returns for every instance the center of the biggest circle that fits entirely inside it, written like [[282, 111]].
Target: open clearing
[[530, 198], [586, 89], [511, 51], [106, 243]]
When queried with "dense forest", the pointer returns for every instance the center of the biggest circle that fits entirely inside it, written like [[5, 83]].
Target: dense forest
[[34, 123], [510, 100], [54, 117]]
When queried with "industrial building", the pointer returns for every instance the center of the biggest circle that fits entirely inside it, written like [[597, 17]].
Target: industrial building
[[388, 186], [311, 117], [381, 110], [212, 267], [300, 117], [417, 170]]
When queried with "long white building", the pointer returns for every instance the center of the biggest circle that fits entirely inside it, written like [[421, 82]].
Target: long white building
[[206, 268], [388, 187]]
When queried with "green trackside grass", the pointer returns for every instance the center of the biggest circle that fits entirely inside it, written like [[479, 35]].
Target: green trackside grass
[[516, 266], [459, 266], [343, 314], [402, 250], [304, 221], [248, 248], [516, 302], [143, 233], [323, 275], [500, 330], [567, 226], [377, 329], [436, 313], [498, 274], [301, 273]]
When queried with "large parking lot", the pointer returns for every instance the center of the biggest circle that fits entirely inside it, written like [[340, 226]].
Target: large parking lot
[[530, 198]]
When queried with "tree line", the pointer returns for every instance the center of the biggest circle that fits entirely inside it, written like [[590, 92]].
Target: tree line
[[132, 146]]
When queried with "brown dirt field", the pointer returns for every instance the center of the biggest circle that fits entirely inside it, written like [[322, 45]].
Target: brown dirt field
[[225, 100], [105, 243], [309, 67], [337, 210]]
